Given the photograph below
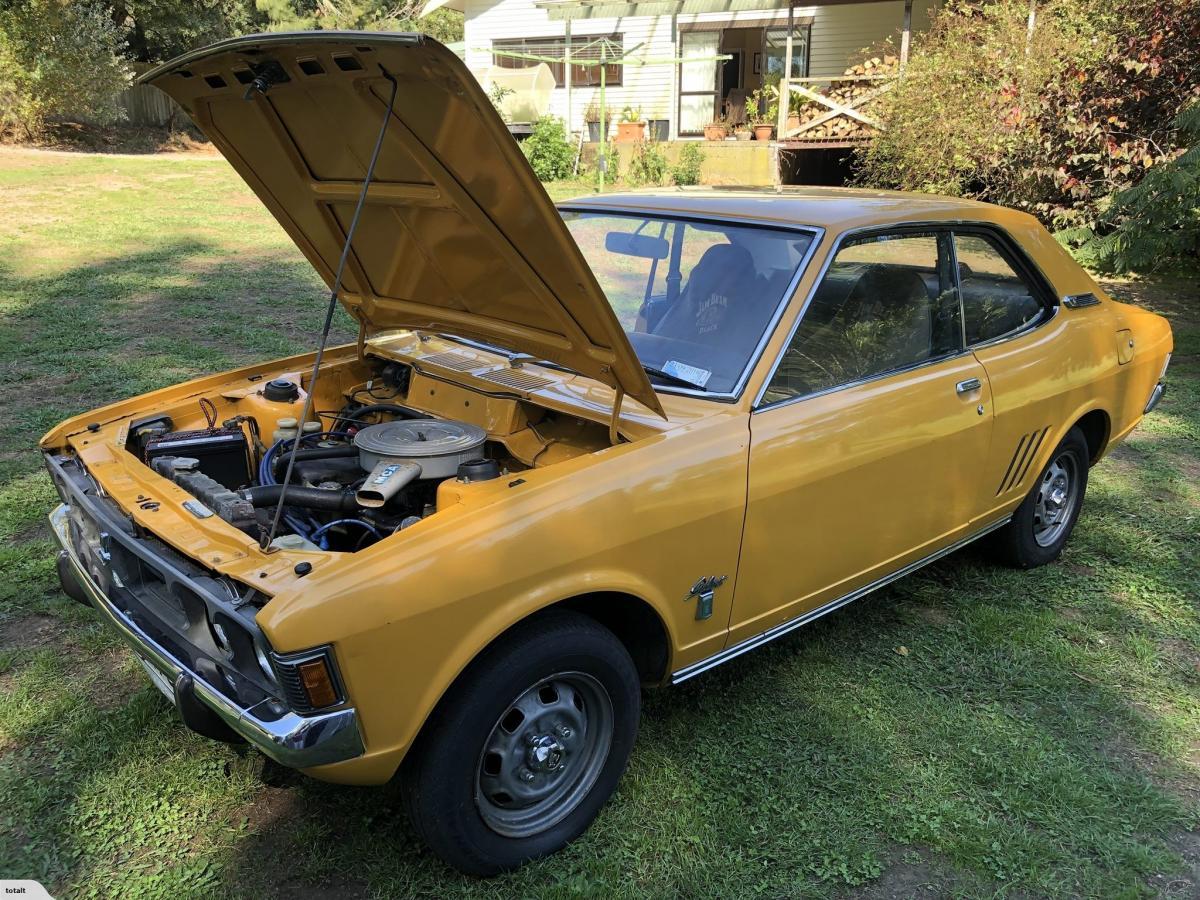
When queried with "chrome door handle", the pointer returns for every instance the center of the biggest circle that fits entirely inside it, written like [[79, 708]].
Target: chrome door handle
[[971, 384]]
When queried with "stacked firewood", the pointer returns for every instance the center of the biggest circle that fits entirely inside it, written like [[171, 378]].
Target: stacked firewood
[[851, 92]]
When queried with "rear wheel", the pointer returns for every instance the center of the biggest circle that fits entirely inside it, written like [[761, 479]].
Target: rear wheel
[[1046, 517], [526, 748]]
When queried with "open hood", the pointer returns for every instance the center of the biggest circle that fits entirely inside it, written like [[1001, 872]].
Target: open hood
[[457, 234]]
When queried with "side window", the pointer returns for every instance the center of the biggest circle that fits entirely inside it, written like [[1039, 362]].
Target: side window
[[886, 302], [996, 300]]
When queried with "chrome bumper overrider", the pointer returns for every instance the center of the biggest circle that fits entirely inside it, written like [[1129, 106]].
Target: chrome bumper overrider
[[1155, 396], [295, 741]]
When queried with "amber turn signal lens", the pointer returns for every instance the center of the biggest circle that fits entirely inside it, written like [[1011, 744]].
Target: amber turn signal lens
[[318, 683]]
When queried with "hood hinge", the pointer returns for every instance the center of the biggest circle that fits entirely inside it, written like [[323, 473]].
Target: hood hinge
[[614, 436]]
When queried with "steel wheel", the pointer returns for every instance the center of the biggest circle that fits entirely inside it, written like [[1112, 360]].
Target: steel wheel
[[544, 754], [1057, 495]]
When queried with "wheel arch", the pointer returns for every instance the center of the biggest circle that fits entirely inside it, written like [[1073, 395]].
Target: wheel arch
[[1096, 425], [635, 621]]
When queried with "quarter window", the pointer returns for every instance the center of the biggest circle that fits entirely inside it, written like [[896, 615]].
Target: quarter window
[[996, 299], [886, 302]]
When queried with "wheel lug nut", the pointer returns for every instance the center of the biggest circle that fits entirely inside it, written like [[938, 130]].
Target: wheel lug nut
[[563, 731], [525, 775]]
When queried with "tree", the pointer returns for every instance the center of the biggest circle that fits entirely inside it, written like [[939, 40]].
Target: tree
[[58, 59], [362, 15], [158, 30]]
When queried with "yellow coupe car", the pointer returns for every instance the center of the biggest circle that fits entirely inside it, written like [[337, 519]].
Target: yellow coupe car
[[574, 451]]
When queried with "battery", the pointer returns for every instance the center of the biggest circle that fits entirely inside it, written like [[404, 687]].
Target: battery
[[223, 453]]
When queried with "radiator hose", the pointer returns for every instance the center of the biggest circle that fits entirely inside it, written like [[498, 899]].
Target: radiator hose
[[306, 497]]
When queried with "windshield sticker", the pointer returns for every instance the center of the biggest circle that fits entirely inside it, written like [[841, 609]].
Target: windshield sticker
[[694, 374]]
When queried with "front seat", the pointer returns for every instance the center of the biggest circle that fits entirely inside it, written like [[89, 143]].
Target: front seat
[[719, 280]]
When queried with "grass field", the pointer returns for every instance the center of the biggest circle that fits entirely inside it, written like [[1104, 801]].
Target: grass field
[[970, 731]]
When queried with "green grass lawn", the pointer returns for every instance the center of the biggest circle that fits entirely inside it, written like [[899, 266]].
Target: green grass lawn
[[970, 731]]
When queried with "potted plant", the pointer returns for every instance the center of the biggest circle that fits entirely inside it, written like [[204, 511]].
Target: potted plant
[[762, 110], [741, 131], [591, 115], [716, 130], [631, 127]]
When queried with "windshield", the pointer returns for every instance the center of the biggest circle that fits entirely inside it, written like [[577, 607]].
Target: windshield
[[694, 298]]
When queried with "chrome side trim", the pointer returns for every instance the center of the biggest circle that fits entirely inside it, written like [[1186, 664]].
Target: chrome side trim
[[298, 742], [791, 625]]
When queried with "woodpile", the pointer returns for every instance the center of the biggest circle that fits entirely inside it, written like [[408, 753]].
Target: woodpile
[[855, 92]]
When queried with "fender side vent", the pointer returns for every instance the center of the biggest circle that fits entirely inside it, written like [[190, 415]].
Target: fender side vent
[[515, 378], [1022, 459]]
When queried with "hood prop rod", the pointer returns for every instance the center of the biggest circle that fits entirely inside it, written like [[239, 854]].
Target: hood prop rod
[[269, 535]]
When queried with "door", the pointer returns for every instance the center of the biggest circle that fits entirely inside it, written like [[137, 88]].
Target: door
[[1042, 368], [865, 448], [698, 73]]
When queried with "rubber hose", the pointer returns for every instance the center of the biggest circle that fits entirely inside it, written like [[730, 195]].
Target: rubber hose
[[402, 411], [305, 497], [318, 453]]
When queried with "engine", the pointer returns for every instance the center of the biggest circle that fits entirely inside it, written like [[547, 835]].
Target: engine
[[348, 487]]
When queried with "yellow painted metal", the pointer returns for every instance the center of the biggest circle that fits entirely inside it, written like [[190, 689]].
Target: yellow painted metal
[[795, 504]]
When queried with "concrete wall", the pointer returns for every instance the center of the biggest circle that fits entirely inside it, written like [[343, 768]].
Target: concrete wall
[[751, 163], [838, 31]]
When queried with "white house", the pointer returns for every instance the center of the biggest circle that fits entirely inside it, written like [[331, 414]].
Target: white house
[[658, 37]]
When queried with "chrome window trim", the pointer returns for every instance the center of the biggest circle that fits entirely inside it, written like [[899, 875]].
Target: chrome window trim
[[815, 231], [900, 227], [753, 643]]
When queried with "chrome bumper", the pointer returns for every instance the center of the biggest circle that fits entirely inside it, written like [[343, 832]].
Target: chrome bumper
[[1155, 396], [299, 742]]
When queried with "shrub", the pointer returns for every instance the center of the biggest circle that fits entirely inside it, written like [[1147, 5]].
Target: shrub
[[1156, 220], [549, 150], [648, 165], [59, 59], [686, 170], [1052, 122]]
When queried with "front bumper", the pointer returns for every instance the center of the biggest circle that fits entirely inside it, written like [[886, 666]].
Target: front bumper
[[296, 741]]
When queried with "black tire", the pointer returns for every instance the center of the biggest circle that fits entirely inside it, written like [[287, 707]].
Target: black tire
[[1027, 542], [445, 782]]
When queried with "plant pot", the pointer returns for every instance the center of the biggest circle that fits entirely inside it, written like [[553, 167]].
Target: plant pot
[[630, 132], [764, 132], [715, 132], [743, 135], [793, 121], [594, 131]]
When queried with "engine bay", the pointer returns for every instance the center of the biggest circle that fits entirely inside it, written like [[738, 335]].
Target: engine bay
[[367, 465]]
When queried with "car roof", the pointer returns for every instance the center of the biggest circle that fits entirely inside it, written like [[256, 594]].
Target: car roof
[[835, 209]]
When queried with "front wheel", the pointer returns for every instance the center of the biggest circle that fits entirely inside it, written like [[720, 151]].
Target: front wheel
[[527, 746], [1046, 517]]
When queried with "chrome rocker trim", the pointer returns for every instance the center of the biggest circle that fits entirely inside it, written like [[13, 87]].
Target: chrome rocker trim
[[298, 742], [783, 628]]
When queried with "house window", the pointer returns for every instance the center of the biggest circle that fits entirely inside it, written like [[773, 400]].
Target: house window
[[584, 48], [698, 72], [775, 52]]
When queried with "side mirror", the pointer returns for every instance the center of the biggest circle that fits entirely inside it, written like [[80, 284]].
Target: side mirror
[[640, 245]]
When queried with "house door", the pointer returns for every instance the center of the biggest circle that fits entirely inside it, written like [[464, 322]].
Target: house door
[[865, 450], [698, 79]]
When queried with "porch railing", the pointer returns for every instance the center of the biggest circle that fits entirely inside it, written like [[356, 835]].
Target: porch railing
[[846, 115]]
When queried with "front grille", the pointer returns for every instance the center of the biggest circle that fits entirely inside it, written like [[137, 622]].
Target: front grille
[[293, 690]]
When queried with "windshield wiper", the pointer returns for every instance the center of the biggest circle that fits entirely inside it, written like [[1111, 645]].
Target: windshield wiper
[[673, 379]]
